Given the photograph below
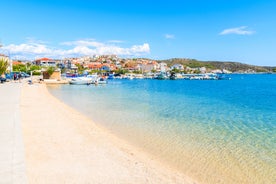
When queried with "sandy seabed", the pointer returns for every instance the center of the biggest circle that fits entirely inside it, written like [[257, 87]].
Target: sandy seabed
[[64, 146]]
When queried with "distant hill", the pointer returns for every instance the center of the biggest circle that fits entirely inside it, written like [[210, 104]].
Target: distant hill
[[231, 66]]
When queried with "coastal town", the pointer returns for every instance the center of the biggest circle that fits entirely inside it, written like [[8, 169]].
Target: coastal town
[[114, 67], [138, 92]]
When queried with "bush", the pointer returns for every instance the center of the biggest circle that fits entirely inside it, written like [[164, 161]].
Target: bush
[[121, 71], [36, 73], [49, 71], [19, 68], [137, 72], [35, 67]]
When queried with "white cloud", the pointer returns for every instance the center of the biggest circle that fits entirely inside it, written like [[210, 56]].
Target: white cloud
[[27, 48], [169, 36], [78, 48], [145, 48], [88, 42], [238, 30], [115, 41]]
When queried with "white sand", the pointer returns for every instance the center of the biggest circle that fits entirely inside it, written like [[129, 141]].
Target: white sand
[[64, 146]]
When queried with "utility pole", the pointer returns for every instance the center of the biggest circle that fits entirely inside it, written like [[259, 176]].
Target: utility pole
[[10, 62]]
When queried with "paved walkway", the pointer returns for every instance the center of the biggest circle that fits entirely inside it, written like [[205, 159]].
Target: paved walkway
[[12, 160]]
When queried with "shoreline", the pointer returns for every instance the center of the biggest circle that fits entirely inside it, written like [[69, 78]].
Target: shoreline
[[64, 146], [202, 155]]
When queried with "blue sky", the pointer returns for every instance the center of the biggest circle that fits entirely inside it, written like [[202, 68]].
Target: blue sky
[[225, 30]]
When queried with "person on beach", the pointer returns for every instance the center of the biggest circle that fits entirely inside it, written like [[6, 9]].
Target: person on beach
[[19, 77], [14, 76]]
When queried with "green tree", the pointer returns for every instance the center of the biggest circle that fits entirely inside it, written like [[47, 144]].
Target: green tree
[[137, 72], [35, 67], [36, 72], [121, 71], [28, 65], [80, 68], [175, 70], [153, 71], [19, 68], [93, 71], [196, 71], [3, 65], [49, 71], [63, 70]]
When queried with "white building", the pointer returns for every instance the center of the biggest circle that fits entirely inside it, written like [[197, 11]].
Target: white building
[[45, 62], [202, 69], [226, 71], [147, 67], [163, 67], [177, 66]]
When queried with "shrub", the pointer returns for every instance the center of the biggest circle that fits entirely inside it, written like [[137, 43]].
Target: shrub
[[49, 71], [36, 73]]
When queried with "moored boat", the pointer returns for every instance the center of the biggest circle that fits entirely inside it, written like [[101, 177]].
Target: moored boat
[[101, 81], [81, 81], [162, 76]]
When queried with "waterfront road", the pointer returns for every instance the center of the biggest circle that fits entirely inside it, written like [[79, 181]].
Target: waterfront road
[[12, 164]]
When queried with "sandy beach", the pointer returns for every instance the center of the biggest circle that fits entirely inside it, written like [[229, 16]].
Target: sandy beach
[[63, 146]]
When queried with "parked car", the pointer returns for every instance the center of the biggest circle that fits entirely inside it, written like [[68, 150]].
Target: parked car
[[24, 75], [10, 75]]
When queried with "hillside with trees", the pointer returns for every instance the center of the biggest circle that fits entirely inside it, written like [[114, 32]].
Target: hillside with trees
[[231, 66]]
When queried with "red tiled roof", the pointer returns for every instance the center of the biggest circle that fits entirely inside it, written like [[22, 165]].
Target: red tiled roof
[[95, 65], [43, 59], [106, 64], [17, 63]]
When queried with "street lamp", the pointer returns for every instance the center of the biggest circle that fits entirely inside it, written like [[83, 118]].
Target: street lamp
[[10, 62]]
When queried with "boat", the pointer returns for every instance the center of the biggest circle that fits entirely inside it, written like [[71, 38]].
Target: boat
[[223, 77], [93, 77], [162, 76], [207, 76], [139, 76], [110, 76], [81, 81], [173, 76], [129, 76], [101, 81]]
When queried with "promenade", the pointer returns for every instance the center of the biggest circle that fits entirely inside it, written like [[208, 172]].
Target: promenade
[[12, 164]]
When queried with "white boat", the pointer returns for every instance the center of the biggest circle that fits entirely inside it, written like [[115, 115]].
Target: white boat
[[129, 76], [139, 76], [81, 81], [101, 81], [94, 78]]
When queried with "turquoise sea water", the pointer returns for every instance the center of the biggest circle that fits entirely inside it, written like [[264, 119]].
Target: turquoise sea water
[[213, 131]]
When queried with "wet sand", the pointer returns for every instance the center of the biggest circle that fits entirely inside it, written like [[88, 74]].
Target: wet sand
[[64, 146]]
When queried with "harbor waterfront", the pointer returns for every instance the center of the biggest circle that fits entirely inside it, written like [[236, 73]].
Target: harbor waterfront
[[214, 131]]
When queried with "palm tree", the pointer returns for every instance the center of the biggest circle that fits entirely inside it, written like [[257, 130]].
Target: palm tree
[[3, 65]]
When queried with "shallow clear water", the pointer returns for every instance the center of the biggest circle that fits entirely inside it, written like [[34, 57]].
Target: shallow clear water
[[213, 131]]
